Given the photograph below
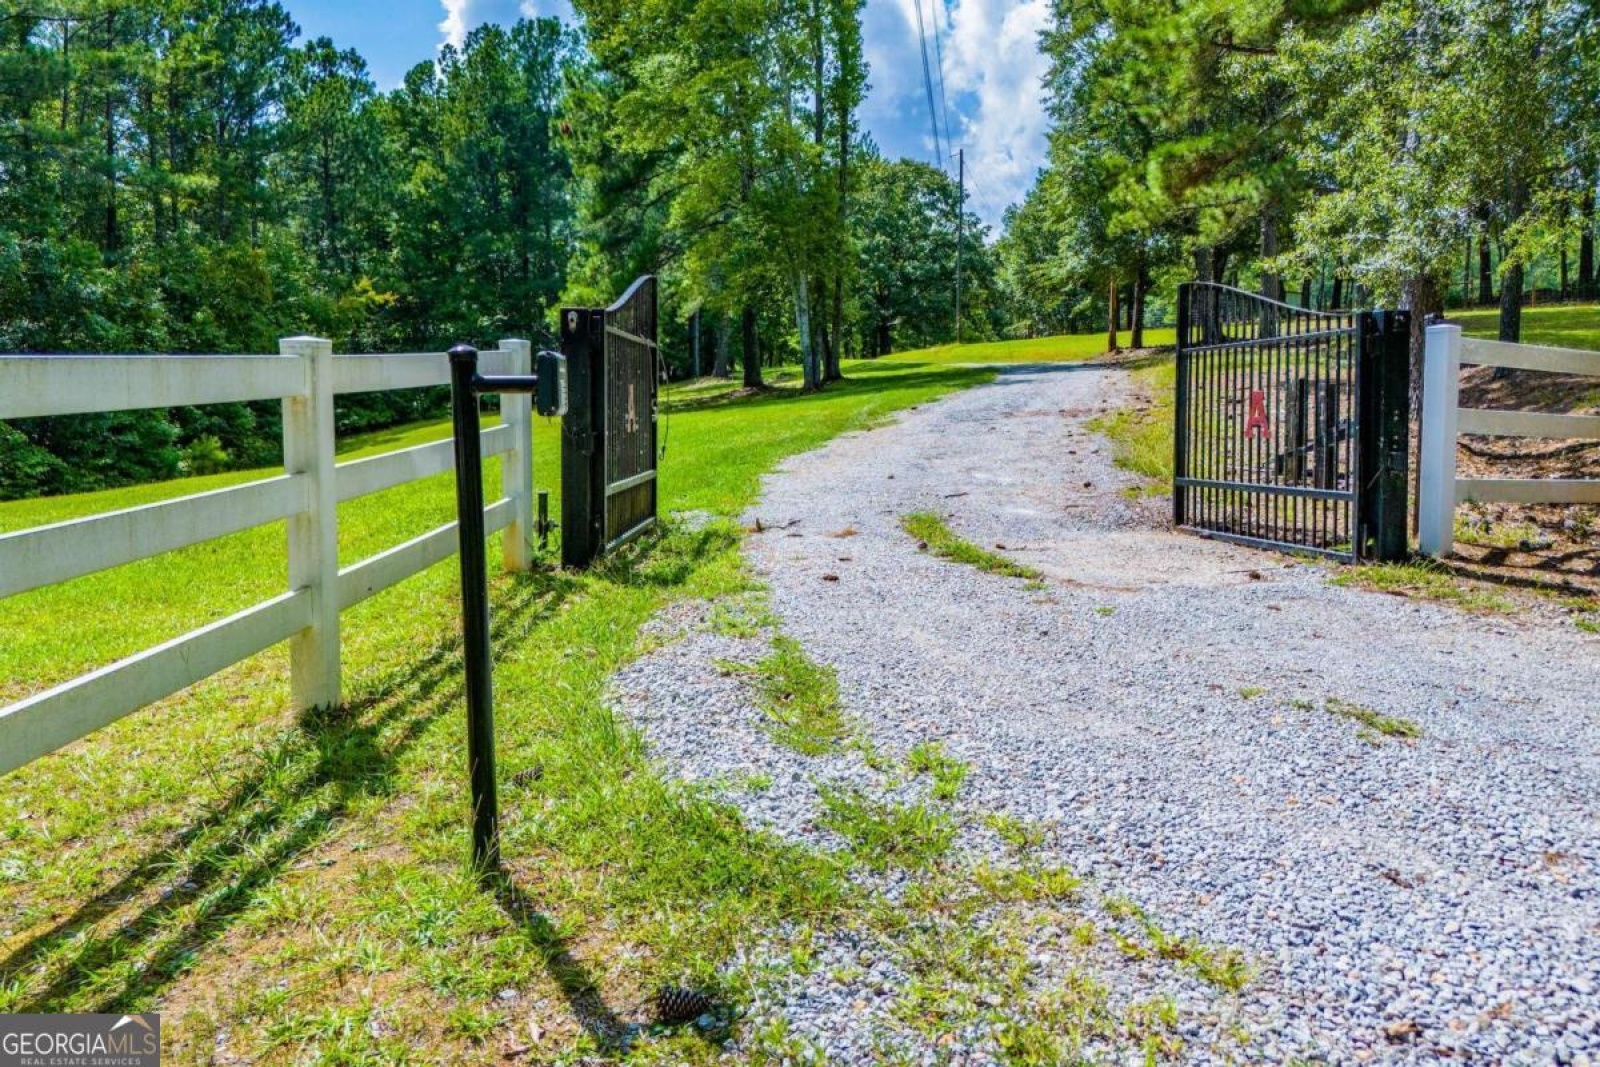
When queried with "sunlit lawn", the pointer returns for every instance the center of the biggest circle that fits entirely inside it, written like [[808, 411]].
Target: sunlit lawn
[[1063, 349], [296, 891], [1558, 325]]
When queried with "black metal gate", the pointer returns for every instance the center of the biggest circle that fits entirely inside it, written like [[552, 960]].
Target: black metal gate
[[608, 461], [1291, 424]]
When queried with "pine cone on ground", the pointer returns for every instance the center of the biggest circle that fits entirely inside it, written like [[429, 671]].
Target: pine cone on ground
[[675, 1004]]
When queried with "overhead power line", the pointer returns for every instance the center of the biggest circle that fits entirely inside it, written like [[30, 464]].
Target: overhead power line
[[938, 53], [927, 81]]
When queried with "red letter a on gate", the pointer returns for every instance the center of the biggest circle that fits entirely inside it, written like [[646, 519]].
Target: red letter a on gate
[[1258, 425]]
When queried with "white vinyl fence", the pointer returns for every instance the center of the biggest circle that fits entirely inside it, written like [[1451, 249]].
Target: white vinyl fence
[[306, 376], [1443, 419]]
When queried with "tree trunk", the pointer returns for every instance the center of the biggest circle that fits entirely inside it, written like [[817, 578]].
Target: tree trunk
[[1336, 301], [1271, 284], [1141, 282], [1511, 303], [810, 377], [885, 342], [835, 351], [1305, 291], [751, 352], [1466, 275], [1111, 316], [1485, 270], [719, 368], [1586, 248], [1563, 274], [819, 327]]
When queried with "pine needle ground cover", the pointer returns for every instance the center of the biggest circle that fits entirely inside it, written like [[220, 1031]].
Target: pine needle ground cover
[[292, 889]]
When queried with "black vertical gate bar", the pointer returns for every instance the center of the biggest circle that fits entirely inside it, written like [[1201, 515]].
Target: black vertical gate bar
[[475, 609], [582, 488], [1180, 435]]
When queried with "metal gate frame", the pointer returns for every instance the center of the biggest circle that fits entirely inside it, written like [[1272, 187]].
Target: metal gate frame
[[608, 457], [1308, 480]]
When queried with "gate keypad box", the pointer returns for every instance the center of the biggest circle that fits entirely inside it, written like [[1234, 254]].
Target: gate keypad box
[[551, 396]]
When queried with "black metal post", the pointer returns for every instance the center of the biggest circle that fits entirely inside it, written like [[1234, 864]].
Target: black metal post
[[583, 496], [1180, 433], [1385, 419], [475, 609]]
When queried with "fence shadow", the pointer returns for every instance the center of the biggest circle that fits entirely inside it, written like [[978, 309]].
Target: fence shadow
[[214, 868]]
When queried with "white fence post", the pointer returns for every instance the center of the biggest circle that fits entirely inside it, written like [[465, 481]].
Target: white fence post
[[516, 467], [308, 448], [1441, 384]]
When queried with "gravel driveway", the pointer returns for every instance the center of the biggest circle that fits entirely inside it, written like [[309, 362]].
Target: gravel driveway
[[1162, 706]]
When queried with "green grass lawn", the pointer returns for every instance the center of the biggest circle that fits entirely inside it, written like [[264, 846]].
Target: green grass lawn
[[296, 889], [1142, 437], [1557, 325], [1064, 349]]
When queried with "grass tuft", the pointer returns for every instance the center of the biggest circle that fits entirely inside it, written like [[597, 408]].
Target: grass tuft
[[801, 700], [1373, 723], [936, 535], [948, 773], [883, 834], [1423, 579]]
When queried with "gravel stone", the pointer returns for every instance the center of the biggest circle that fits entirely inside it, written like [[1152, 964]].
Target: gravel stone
[[1403, 902]]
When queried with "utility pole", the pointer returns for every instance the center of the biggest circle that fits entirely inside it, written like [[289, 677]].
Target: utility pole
[[961, 229], [695, 326]]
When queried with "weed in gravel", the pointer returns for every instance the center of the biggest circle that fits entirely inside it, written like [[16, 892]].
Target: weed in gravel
[[1250, 692], [883, 834], [800, 698], [1027, 884], [1374, 723], [1021, 835], [948, 773], [744, 618], [1143, 938], [1589, 624], [937, 537], [1425, 580]]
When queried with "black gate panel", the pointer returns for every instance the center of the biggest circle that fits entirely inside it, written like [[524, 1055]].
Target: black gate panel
[[631, 383], [608, 461], [1270, 416]]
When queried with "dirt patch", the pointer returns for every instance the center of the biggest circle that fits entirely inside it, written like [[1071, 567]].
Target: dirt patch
[[1551, 548]]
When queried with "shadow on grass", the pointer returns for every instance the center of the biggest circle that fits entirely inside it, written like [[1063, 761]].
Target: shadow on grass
[[216, 867], [578, 987], [1553, 572]]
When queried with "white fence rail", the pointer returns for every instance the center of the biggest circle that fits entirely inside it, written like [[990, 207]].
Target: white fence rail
[[1443, 419], [305, 376]]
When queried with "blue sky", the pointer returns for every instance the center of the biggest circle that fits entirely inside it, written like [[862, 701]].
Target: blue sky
[[992, 71]]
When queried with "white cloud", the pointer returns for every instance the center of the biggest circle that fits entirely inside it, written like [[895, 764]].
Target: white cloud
[[561, 9], [461, 17], [993, 80], [456, 24]]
